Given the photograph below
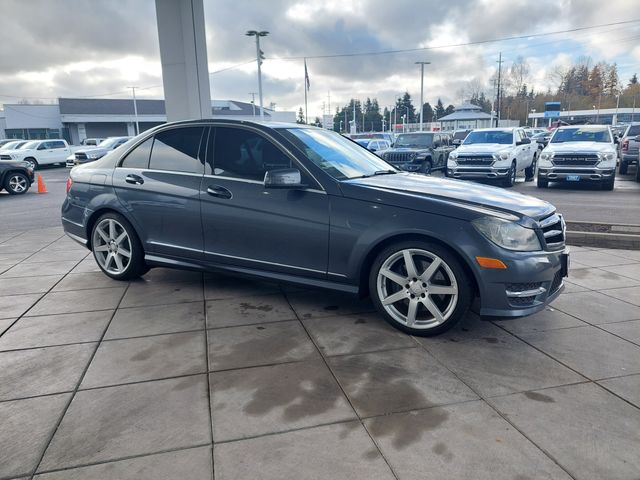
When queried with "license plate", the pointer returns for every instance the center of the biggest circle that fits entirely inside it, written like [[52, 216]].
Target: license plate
[[573, 178], [564, 264]]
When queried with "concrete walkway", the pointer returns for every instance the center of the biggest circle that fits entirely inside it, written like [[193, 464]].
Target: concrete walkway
[[185, 375]]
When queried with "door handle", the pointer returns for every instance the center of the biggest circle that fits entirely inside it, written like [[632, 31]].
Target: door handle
[[135, 179], [218, 191]]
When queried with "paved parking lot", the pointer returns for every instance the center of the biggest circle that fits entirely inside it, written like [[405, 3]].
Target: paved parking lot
[[182, 374]]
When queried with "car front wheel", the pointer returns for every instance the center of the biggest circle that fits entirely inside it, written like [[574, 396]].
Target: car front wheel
[[16, 183], [420, 287], [624, 167], [116, 248]]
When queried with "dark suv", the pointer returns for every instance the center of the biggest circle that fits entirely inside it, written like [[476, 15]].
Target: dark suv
[[293, 203], [419, 152], [15, 177], [629, 143]]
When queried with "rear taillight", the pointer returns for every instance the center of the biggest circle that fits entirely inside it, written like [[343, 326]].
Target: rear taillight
[[625, 145], [69, 183]]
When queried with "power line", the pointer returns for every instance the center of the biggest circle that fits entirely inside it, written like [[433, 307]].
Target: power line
[[454, 45]]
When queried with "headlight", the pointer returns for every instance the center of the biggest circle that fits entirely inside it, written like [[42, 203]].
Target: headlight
[[453, 155], [507, 234], [13, 156], [607, 156], [501, 155], [546, 155], [92, 155]]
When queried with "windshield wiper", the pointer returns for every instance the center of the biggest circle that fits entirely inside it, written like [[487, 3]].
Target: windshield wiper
[[377, 172]]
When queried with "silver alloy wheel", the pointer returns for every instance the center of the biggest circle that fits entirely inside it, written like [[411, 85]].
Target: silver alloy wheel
[[30, 163], [18, 184], [112, 246], [417, 288]]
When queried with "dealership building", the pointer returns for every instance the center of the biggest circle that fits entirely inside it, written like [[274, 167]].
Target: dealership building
[[75, 119], [606, 116]]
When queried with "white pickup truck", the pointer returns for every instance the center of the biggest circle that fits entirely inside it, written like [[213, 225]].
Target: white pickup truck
[[494, 153], [40, 152]]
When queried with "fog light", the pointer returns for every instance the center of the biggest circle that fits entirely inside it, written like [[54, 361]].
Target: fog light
[[486, 262]]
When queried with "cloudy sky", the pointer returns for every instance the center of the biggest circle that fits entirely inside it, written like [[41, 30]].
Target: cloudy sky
[[97, 48]]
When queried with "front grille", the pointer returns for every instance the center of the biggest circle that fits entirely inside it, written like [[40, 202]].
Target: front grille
[[521, 287], [580, 171], [398, 157], [553, 231], [478, 160], [5, 157], [580, 159], [522, 301], [81, 156], [556, 283]]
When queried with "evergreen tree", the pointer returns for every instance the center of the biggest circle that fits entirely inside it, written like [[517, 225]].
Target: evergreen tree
[[300, 118], [427, 113], [439, 110], [449, 110], [634, 79]]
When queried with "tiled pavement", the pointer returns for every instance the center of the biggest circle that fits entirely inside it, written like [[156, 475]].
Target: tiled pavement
[[181, 375]]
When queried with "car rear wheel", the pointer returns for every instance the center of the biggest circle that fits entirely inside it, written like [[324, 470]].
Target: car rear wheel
[[420, 287], [16, 183], [116, 248], [638, 172], [530, 171], [31, 162], [542, 183]]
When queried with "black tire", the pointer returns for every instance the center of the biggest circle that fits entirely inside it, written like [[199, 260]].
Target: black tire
[[542, 183], [510, 180], [136, 266], [33, 162], [530, 171], [638, 171], [624, 167], [465, 289], [608, 184], [426, 167], [16, 183]]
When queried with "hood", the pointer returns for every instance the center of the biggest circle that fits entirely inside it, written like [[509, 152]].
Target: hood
[[407, 149], [91, 150], [14, 152], [573, 147], [466, 194], [483, 148]]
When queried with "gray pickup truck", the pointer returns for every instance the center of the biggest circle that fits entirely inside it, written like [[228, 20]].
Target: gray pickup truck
[[629, 143], [419, 152]]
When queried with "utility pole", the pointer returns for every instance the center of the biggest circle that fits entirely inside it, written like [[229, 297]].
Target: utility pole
[[253, 102], [135, 109], [498, 100], [355, 128], [259, 58], [422, 64]]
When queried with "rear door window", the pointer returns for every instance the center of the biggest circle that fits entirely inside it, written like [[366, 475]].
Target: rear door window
[[139, 156], [178, 150], [634, 130]]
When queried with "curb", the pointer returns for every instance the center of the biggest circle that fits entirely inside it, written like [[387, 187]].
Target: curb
[[604, 240]]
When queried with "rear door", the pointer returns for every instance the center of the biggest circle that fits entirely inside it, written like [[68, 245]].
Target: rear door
[[281, 230], [159, 185]]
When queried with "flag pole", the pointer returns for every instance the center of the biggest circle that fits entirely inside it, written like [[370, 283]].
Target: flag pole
[[306, 77]]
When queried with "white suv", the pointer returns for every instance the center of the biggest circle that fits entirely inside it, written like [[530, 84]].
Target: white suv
[[494, 153], [579, 153]]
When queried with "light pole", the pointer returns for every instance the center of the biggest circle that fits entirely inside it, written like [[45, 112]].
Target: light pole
[[253, 102], [340, 126], [135, 109], [259, 58], [422, 64]]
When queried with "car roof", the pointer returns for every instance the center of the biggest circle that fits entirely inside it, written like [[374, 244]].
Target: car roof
[[584, 127], [496, 129]]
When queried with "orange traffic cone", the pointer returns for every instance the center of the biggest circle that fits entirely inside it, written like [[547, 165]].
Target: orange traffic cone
[[42, 188]]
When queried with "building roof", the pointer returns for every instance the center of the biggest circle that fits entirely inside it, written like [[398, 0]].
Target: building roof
[[121, 106], [465, 115]]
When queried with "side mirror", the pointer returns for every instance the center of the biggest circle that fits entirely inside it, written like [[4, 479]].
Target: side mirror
[[283, 178], [637, 138], [524, 141], [372, 149]]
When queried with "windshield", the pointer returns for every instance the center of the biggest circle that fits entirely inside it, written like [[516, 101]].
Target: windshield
[[581, 135], [108, 142], [363, 141], [634, 130], [489, 136], [336, 155], [460, 135], [11, 145], [414, 140], [29, 145]]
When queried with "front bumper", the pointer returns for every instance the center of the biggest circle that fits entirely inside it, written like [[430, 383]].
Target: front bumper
[[531, 281], [630, 158], [561, 174], [478, 172], [408, 167]]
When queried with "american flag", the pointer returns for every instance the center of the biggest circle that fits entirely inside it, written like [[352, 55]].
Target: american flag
[[306, 76]]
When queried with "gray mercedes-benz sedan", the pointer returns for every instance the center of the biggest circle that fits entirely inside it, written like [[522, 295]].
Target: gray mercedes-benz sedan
[[301, 204]]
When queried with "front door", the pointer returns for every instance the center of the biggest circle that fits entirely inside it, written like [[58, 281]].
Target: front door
[[281, 230], [159, 185]]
